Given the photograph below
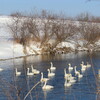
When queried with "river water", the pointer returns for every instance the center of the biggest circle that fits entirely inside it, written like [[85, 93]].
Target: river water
[[83, 89]]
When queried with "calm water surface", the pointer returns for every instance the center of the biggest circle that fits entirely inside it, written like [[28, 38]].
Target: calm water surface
[[83, 89]]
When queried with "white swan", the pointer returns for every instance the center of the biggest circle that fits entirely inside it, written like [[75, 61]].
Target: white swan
[[65, 74], [88, 65], [70, 78], [83, 69], [17, 73], [29, 73], [52, 67], [67, 83], [82, 65], [1, 69], [47, 87], [79, 75], [35, 71], [43, 79], [70, 68], [76, 72], [50, 74], [83, 62]]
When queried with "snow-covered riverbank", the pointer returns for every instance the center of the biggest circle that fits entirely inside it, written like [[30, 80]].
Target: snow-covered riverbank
[[9, 49]]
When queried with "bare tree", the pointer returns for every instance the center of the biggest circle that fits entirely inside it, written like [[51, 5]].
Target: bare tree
[[90, 33], [84, 17], [63, 30], [14, 26]]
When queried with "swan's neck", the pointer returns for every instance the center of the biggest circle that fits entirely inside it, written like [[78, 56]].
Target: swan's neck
[[16, 70], [75, 69], [45, 83], [65, 71], [51, 64], [28, 71], [48, 71], [66, 80], [32, 68], [69, 65], [41, 75], [82, 63]]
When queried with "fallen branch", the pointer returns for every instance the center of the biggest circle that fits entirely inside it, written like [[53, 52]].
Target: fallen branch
[[32, 89]]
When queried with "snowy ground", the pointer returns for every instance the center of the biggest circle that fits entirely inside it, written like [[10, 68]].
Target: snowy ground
[[7, 51], [7, 48]]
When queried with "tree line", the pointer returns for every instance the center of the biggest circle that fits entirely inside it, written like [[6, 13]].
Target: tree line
[[48, 29]]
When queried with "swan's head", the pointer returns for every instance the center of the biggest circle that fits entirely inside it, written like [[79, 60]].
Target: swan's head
[[48, 70], [41, 73], [82, 62], [69, 64], [27, 68]]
